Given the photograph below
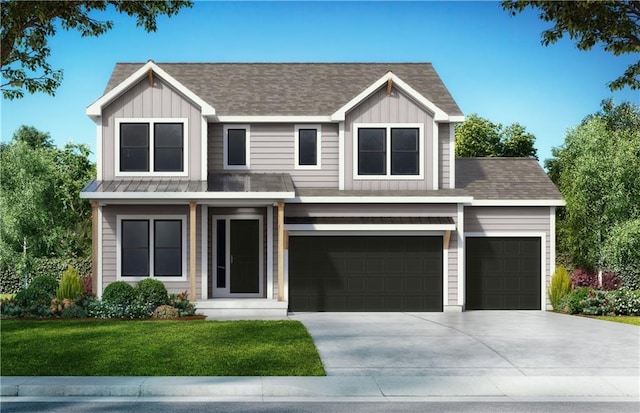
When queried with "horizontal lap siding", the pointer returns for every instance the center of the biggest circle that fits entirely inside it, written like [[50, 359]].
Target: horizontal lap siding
[[444, 152], [272, 151], [159, 101], [109, 220], [395, 108], [512, 220]]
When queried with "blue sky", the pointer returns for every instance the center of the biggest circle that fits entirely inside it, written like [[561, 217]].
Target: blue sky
[[493, 64]]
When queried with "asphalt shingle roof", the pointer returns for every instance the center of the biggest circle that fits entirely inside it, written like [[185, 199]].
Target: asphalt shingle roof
[[504, 178], [280, 89]]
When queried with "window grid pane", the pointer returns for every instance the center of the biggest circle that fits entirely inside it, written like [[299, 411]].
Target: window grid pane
[[372, 151], [307, 147], [134, 147], [167, 253], [404, 151], [135, 248], [168, 142]]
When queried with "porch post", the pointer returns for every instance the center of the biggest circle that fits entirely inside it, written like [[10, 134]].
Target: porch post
[[192, 249], [94, 247], [280, 251]]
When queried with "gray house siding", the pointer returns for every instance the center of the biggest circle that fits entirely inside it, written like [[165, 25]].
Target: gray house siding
[[512, 220], [159, 101], [444, 151], [395, 108], [109, 231], [272, 150]]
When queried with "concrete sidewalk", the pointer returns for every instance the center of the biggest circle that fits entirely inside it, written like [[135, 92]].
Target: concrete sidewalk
[[354, 388]]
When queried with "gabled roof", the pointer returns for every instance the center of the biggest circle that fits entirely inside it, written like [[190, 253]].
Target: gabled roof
[[511, 179], [292, 89]]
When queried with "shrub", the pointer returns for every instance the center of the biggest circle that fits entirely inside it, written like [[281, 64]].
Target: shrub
[[33, 302], [87, 284], [119, 293], [85, 300], [572, 303], [152, 292], [165, 312], [581, 277], [597, 303], [105, 309], [9, 308], [625, 301], [181, 303], [610, 281], [74, 311], [559, 287], [70, 285], [58, 306], [621, 252], [46, 283], [11, 282]]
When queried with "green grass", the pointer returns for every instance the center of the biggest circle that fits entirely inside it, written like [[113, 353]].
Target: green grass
[[157, 348], [625, 319]]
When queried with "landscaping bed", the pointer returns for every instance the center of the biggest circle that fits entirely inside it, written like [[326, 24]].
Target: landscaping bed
[[157, 348]]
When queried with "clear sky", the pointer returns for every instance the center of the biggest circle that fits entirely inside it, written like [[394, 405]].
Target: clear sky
[[493, 64]]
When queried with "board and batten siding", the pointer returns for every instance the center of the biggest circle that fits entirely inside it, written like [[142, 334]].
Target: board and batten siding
[[144, 101], [109, 231], [394, 108], [272, 151], [512, 220]]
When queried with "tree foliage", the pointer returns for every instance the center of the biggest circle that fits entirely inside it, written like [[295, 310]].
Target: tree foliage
[[39, 198], [479, 137], [615, 24], [27, 26], [597, 172]]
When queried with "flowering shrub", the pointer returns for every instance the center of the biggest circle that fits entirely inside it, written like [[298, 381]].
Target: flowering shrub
[[597, 303], [105, 309], [610, 281], [58, 305], [572, 303], [581, 277], [181, 303], [625, 301], [87, 284]]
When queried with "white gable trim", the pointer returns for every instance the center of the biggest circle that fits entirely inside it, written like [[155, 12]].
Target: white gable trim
[[95, 109], [438, 114]]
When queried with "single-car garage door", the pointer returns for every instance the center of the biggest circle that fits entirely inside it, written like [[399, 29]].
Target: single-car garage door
[[354, 273], [503, 273]]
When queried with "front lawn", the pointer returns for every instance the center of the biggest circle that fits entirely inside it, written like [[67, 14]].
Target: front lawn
[[157, 348], [629, 319]]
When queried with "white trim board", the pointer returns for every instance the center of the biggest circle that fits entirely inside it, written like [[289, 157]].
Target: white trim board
[[517, 202], [381, 199], [204, 259], [187, 195], [370, 227]]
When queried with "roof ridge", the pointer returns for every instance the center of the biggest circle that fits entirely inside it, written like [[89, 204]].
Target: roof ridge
[[277, 63]]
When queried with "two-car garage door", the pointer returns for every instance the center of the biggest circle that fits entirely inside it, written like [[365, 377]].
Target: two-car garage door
[[358, 273]]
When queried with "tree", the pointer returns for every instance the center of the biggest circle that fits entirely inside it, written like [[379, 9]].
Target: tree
[[27, 25], [596, 170], [615, 24], [33, 137], [40, 206], [479, 137]]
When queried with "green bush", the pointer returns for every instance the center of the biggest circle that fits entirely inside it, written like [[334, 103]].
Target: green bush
[[11, 281], [597, 303], [33, 302], [572, 303], [181, 303], [152, 293], [73, 311], [119, 293], [70, 285], [9, 308], [46, 283], [625, 301], [559, 287]]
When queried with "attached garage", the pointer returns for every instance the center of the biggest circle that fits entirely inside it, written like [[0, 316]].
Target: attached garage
[[365, 273], [503, 273]]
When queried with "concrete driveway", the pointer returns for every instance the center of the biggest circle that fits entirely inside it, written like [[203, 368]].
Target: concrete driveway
[[474, 343]]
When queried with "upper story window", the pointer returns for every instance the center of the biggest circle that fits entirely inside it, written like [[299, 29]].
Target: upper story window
[[236, 146], [307, 144], [151, 147], [394, 151]]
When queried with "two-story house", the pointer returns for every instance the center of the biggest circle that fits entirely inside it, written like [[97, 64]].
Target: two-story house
[[267, 188]]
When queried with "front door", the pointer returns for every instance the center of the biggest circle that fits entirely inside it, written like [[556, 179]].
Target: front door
[[237, 256]]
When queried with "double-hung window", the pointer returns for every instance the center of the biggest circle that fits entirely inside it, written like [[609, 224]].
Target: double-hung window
[[151, 247], [148, 147], [307, 144], [236, 146], [389, 151]]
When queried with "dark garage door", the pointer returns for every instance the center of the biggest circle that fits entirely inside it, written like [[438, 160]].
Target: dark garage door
[[503, 273], [328, 273]]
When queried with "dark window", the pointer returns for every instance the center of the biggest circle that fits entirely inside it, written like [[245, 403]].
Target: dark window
[[135, 248], [307, 147], [221, 253], [372, 151], [134, 147], [236, 147], [404, 151], [167, 252], [168, 142]]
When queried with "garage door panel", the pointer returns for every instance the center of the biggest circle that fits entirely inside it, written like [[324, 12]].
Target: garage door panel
[[365, 273], [503, 273]]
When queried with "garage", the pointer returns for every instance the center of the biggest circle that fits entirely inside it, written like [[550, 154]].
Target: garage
[[365, 273], [503, 273]]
